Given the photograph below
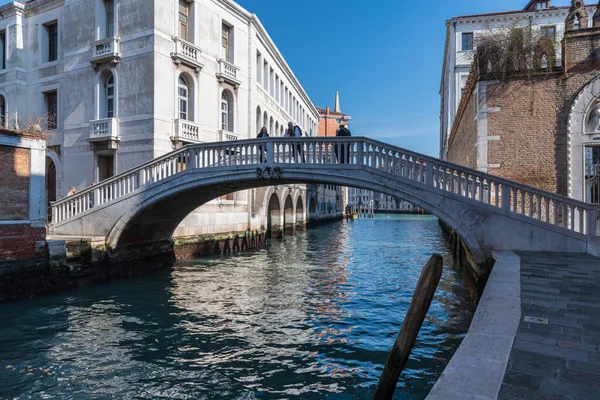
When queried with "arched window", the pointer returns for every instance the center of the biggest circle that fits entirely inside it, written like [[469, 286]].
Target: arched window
[[109, 96], [110, 17], [276, 128], [271, 125], [227, 112], [258, 117], [266, 121], [183, 95]]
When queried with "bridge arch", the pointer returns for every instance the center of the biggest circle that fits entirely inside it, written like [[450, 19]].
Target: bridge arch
[[146, 221], [146, 204], [274, 222]]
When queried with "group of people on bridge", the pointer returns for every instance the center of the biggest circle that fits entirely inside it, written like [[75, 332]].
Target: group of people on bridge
[[342, 154]]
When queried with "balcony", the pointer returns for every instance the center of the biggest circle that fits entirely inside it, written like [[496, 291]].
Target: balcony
[[227, 136], [105, 50], [186, 131], [104, 134], [187, 54], [228, 73]]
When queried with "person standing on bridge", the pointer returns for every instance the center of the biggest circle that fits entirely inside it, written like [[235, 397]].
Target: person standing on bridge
[[342, 151], [262, 150], [295, 131]]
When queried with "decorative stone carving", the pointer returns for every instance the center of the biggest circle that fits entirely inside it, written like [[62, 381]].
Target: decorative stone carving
[[593, 119], [577, 17], [269, 172]]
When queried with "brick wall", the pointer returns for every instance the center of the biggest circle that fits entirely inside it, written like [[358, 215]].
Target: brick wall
[[17, 242], [532, 125], [461, 146], [14, 183], [532, 121], [582, 50]]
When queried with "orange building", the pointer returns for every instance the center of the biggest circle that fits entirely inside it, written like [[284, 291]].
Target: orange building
[[330, 121]]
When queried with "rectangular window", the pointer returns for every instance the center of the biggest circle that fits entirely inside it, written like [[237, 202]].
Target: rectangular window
[[225, 42], [110, 18], [467, 41], [184, 17], [549, 32], [3, 49], [51, 101], [258, 65], [52, 31], [266, 75]]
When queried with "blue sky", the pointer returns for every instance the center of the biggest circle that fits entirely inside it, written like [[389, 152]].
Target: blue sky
[[385, 57]]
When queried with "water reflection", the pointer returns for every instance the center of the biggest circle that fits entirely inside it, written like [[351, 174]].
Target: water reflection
[[310, 317]]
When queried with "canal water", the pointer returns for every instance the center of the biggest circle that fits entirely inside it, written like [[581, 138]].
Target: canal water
[[310, 317]]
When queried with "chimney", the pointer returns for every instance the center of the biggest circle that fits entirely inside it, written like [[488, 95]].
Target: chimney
[[336, 108]]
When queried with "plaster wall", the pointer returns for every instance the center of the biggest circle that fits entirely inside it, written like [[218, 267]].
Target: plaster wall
[[146, 78]]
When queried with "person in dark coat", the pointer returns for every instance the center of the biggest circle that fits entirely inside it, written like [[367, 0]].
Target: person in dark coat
[[262, 150], [342, 151]]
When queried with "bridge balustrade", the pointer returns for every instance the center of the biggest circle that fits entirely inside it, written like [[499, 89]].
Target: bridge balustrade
[[434, 174]]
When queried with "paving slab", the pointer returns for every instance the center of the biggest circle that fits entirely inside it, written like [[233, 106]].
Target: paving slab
[[558, 358], [535, 335]]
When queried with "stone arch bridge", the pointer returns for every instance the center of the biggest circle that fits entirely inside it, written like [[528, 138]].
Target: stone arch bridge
[[146, 203]]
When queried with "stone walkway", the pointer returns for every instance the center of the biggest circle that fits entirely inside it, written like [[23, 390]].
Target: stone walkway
[[557, 354]]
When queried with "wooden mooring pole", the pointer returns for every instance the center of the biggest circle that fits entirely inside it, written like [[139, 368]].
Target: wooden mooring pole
[[428, 282]]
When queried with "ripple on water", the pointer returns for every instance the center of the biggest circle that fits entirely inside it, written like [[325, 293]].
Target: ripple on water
[[310, 317]]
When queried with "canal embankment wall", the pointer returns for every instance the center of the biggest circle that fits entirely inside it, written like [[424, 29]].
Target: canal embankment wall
[[478, 367], [73, 263]]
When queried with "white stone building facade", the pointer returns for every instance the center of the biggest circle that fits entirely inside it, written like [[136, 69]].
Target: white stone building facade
[[462, 35], [369, 201], [125, 81]]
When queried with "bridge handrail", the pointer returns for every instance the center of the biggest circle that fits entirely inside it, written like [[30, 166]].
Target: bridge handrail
[[489, 176], [427, 170]]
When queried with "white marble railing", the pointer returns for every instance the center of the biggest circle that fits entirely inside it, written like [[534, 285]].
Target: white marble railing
[[186, 50], [106, 128], [313, 153], [227, 136], [228, 70], [187, 131], [105, 48]]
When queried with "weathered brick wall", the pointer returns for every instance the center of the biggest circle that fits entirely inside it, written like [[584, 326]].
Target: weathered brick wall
[[461, 146], [582, 50], [17, 242], [14, 183], [532, 126], [532, 121]]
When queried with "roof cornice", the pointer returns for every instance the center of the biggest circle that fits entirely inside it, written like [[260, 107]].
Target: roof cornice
[[266, 40], [512, 15]]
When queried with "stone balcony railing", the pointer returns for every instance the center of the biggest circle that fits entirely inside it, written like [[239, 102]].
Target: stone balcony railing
[[104, 129], [186, 131], [227, 136], [186, 53], [105, 50], [228, 73]]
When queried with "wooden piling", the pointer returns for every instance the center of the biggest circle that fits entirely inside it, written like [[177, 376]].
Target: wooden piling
[[428, 282]]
